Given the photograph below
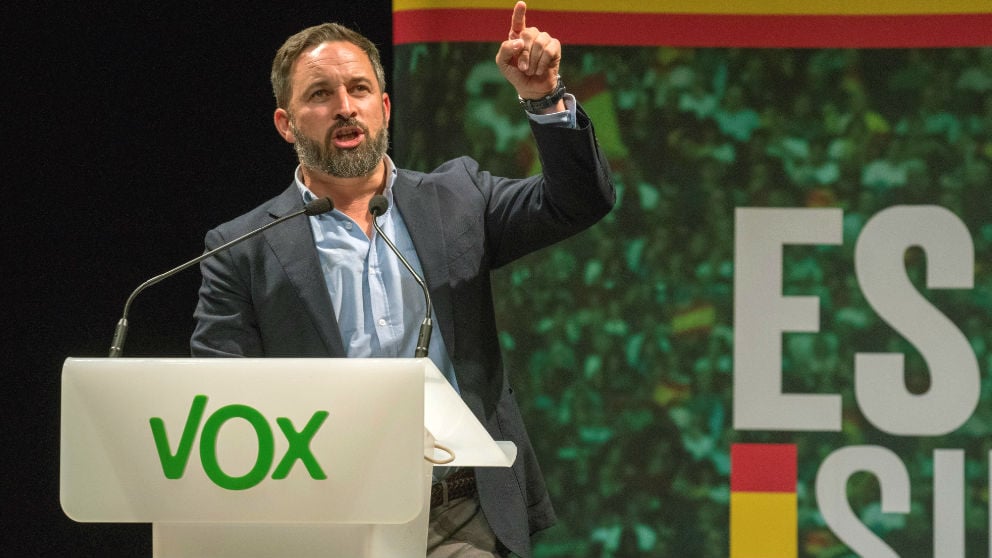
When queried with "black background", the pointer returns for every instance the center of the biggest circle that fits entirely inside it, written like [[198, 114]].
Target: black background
[[129, 130]]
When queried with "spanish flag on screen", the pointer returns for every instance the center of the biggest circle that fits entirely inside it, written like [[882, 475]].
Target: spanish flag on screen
[[707, 23], [763, 503]]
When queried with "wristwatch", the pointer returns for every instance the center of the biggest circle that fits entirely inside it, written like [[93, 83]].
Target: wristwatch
[[536, 106]]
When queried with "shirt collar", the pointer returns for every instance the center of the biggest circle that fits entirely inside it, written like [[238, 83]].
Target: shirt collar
[[309, 196]]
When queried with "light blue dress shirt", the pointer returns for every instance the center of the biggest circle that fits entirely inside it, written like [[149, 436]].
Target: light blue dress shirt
[[378, 306]]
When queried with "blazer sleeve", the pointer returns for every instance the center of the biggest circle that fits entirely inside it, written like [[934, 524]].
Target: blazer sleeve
[[226, 323], [574, 190]]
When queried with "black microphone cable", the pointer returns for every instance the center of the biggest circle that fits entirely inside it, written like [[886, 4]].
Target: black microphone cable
[[378, 206]]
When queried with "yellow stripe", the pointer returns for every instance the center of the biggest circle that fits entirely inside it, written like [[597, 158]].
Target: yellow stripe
[[719, 7], [763, 525]]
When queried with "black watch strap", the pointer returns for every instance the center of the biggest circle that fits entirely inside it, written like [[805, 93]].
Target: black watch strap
[[536, 106]]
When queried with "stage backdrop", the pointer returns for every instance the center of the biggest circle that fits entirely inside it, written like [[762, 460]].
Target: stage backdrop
[[778, 343]]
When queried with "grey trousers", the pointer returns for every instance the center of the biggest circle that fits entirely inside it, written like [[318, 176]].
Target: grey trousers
[[458, 529]]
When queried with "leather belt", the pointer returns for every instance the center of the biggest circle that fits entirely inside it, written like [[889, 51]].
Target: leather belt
[[460, 484]]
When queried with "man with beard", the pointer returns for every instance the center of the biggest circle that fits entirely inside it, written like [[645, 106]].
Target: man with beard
[[329, 287]]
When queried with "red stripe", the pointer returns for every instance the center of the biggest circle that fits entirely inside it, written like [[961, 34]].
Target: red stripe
[[763, 468], [703, 30]]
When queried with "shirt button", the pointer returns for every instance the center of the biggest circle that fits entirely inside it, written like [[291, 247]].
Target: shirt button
[[347, 226], [382, 321]]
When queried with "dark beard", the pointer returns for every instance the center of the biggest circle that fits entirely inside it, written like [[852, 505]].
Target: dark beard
[[351, 163]]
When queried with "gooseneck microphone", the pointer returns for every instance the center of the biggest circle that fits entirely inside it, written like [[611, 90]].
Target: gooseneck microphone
[[377, 206], [315, 207]]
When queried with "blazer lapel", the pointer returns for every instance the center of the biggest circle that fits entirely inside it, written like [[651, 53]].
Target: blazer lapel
[[422, 215], [293, 246]]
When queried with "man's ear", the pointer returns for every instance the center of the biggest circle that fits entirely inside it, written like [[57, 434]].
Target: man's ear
[[281, 119]]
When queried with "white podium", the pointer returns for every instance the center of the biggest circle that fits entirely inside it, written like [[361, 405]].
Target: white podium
[[264, 458]]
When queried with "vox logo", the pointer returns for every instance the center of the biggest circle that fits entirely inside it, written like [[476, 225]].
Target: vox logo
[[174, 462]]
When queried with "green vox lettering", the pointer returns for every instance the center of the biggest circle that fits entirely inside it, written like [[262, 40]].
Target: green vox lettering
[[174, 464]]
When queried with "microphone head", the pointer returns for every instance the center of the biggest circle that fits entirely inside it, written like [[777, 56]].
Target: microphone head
[[318, 206], [378, 205]]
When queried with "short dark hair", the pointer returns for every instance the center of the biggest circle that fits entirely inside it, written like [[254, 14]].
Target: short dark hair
[[282, 65]]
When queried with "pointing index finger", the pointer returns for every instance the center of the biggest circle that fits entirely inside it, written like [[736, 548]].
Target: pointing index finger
[[518, 23]]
